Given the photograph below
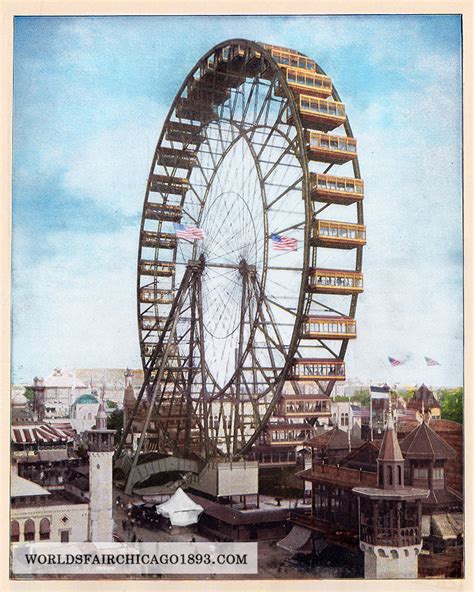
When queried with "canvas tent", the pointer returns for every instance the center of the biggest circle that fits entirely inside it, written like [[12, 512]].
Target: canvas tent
[[180, 509]]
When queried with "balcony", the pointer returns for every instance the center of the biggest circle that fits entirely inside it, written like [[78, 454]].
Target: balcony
[[186, 133], [168, 184], [174, 158], [161, 240], [163, 212], [328, 327], [187, 109], [338, 190], [317, 369], [207, 92], [320, 114], [390, 537], [289, 58], [331, 149], [307, 83], [307, 407], [335, 281], [338, 235], [156, 268], [152, 323], [152, 296]]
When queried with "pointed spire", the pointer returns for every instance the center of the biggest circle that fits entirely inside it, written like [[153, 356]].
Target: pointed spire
[[101, 418], [390, 448]]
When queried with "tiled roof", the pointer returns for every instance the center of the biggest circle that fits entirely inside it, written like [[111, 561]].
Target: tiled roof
[[423, 442], [335, 439], [339, 476], [390, 448]]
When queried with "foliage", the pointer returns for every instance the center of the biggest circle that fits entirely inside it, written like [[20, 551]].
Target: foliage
[[111, 404], [451, 402], [28, 393], [115, 422], [362, 395]]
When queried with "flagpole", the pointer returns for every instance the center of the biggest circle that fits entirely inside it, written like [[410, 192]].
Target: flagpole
[[370, 413], [350, 427]]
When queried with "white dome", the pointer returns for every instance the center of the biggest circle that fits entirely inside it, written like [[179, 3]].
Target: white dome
[[19, 400]]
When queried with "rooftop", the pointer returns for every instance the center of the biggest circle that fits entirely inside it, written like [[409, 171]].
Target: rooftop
[[423, 442], [22, 487]]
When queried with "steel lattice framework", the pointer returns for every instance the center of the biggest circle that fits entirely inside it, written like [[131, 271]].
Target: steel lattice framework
[[226, 322]]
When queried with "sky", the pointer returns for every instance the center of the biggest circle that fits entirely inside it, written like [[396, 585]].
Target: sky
[[90, 97]]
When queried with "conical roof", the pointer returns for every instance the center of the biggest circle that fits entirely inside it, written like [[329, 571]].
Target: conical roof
[[101, 418], [390, 448], [423, 442]]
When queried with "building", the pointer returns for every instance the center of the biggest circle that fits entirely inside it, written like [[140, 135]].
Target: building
[[37, 514], [83, 412], [101, 450], [55, 394], [424, 401], [419, 462], [63, 508]]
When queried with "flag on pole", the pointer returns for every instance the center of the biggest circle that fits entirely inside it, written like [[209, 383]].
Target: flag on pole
[[380, 392], [394, 362], [190, 233], [284, 243], [430, 362]]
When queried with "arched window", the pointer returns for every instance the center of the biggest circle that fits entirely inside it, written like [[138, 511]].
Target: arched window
[[390, 475], [45, 529], [380, 475], [29, 530], [14, 532], [399, 470]]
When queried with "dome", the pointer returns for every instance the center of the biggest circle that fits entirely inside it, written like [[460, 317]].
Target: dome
[[86, 399]]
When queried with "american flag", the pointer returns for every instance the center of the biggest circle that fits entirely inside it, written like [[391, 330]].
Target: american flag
[[394, 362], [430, 362], [360, 412], [284, 243], [190, 233]]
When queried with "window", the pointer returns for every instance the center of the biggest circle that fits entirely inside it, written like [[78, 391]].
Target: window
[[29, 530], [399, 470], [14, 531], [64, 536], [420, 473], [438, 473], [390, 475], [45, 529]]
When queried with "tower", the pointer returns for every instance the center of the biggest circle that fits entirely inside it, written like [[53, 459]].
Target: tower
[[101, 450], [128, 397], [38, 398], [390, 516]]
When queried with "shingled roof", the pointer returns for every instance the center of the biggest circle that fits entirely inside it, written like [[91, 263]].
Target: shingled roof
[[390, 448], [423, 442], [425, 396], [335, 439]]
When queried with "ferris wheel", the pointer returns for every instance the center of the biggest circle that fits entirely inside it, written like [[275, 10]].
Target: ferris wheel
[[250, 254]]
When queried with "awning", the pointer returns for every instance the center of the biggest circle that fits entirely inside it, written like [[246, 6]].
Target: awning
[[298, 540], [53, 455], [442, 527], [425, 526]]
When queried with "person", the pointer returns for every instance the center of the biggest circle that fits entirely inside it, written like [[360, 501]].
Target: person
[[134, 538], [193, 539]]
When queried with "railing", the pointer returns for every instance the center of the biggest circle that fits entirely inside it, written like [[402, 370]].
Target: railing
[[398, 537]]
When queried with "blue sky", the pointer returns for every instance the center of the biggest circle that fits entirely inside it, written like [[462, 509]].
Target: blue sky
[[90, 95]]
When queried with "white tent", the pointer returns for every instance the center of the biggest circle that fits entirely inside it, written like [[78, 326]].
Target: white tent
[[180, 509]]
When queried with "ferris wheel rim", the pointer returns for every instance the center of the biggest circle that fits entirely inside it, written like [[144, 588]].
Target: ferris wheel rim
[[303, 300]]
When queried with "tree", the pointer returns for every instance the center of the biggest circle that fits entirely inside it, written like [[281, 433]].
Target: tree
[[111, 404], [28, 393], [115, 422], [452, 402]]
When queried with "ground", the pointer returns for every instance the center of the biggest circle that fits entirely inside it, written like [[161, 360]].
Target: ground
[[273, 562]]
